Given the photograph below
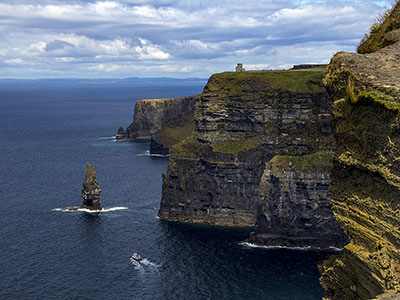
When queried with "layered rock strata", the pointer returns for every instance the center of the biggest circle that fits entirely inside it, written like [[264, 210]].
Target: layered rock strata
[[242, 121], [365, 180], [165, 121], [296, 207], [90, 190]]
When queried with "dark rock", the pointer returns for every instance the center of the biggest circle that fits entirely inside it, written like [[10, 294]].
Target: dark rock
[[296, 208], [91, 190], [151, 115], [244, 120], [307, 66], [121, 134], [157, 148]]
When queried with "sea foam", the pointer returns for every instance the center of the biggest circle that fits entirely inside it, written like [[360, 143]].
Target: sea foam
[[103, 210], [147, 153], [308, 248]]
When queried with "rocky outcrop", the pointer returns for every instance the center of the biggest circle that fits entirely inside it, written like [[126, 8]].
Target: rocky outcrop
[[296, 208], [166, 121], [220, 174], [121, 134], [365, 180], [90, 190], [158, 148]]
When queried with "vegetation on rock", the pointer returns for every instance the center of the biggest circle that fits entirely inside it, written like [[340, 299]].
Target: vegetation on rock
[[365, 186], [320, 159], [382, 33], [233, 147], [245, 83]]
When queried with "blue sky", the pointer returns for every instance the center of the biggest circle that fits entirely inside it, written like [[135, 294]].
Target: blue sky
[[165, 38]]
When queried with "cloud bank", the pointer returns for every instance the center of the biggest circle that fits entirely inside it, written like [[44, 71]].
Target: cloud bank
[[183, 38]]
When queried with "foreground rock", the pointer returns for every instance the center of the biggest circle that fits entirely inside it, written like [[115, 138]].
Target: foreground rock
[[225, 173], [365, 180]]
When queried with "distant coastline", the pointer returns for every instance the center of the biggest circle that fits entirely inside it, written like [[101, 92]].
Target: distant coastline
[[95, 81]]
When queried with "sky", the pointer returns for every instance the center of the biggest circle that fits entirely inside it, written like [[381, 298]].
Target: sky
[[180, 39]]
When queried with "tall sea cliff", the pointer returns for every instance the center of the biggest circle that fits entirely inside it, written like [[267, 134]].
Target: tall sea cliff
[[164, 122], [365, 180], [260, 155]]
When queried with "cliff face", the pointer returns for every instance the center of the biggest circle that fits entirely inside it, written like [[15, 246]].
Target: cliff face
[[365, 180], [296, 207], [164, 122], [242, 121]]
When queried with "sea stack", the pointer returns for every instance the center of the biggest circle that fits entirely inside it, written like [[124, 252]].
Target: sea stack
[[121, 134], [91, 190]]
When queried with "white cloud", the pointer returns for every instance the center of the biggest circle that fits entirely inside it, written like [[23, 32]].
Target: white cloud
[[182, 37], [103, 67], [14, 61], [150, 51]]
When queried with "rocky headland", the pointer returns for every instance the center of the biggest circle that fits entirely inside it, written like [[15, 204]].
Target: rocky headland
[[260, 154], [164, 122], [365, 180]]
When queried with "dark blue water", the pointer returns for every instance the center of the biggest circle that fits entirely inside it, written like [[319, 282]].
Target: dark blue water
[[47, 135]]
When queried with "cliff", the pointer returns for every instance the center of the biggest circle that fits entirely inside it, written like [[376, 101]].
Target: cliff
[[365, 180], [296, 207], [165, 121], [242, 121]]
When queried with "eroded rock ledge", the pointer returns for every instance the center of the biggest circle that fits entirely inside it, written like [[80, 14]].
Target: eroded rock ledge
[[365, 180]]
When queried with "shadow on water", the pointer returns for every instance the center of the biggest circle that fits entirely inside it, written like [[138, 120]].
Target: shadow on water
[[225, 265], [91, 236]]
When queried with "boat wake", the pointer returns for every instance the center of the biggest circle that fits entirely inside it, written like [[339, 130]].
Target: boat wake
[[149, 263], [308, 248], [144, 263], [103, 210]]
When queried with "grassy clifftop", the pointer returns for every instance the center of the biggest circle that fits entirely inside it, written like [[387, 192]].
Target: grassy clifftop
[[297, 81]]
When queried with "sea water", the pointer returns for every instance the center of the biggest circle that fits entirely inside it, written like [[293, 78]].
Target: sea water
[[48, 132]]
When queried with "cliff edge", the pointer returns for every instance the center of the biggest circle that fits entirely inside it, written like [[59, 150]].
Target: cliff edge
[[365, 180], [226, 174], [165, 122]]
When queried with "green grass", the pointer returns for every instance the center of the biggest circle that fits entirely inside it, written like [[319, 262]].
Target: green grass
[[233, 147], [173, 133], [187, 148], [296, 81], [371, 97], [375, 39], [320, 159]]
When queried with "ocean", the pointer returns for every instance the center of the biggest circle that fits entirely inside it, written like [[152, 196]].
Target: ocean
[[48, 132]]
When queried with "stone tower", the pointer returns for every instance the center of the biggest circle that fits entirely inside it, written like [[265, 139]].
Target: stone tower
[[239, 68]]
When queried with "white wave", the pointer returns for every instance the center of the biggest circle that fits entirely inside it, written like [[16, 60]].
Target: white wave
[[103, 210], [250, 245], [107, 138], [147, 153], [143, 154], [135, 263], [158, 155]]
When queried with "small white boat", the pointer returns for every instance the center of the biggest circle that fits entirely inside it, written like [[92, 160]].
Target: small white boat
[[136, 256]]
